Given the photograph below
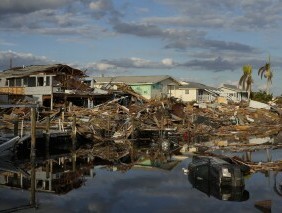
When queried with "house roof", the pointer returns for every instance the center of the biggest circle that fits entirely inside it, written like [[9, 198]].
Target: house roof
[[194, 85], [232, 87], [33, 69], [134, 79]]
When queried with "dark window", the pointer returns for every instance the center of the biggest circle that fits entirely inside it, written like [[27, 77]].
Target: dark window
[[40, 81], [47, 81], [32, 82], [18, 82], [11, 82], [25, 81]]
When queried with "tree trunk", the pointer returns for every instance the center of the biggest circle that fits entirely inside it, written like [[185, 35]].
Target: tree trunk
[[267, 87], [249, 93]]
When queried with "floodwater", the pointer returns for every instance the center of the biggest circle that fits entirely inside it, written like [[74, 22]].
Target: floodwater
[[147, 189]]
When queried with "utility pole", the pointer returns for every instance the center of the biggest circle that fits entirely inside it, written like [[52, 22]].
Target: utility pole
[[32, 155]]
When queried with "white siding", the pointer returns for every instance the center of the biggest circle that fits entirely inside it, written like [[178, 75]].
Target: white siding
[[2, 82], [47, 90], [230, 94], [181, 94]]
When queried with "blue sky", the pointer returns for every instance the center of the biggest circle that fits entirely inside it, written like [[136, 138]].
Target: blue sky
[[193, 40]]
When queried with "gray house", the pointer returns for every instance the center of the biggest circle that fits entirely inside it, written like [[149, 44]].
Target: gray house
[[233, 93], [45, 84]]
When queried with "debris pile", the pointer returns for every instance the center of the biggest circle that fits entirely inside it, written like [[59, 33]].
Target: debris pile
[[120, 122]]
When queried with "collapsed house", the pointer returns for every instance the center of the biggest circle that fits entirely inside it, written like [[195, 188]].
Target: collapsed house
[[46, 84]]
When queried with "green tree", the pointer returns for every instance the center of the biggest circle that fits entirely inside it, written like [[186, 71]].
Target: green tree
[[261, 96], [267, 73], [246, 79]]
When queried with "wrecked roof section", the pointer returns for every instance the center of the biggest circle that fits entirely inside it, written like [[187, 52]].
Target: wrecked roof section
[[36, 69]]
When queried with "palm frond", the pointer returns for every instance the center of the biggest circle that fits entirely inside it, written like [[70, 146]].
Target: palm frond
[[242, 80], [261, 71], [247, 69]]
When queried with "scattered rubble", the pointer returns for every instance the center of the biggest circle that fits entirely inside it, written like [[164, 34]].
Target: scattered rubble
[[127, 119]]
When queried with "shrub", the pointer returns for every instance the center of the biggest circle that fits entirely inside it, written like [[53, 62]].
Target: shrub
[[261, 96]]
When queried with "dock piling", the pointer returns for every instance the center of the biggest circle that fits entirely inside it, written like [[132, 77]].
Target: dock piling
[[16, 127]]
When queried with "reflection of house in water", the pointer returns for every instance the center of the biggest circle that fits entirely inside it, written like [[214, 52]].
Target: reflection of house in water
[[162, 164], [59, 175], [227, 193], [12, 175], [217, 177]]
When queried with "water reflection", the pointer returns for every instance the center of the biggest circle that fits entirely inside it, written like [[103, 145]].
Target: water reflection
[[57, 175], [278, 183], [226, 193], [218, 178], [62, 173]]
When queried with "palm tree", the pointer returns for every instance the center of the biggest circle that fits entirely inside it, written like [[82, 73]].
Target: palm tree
[[246, 79], [267, 73]]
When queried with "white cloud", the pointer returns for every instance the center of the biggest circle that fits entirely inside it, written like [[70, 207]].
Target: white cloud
[[167, 62], [103, 66], [98, 5], [100, 66], [21, 58], [139, 62]]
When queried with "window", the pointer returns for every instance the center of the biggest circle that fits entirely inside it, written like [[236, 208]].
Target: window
[[25, 81], [40, 81], [18, 82], [11, 82], [32, 82], [187, 91], [47, 83]]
